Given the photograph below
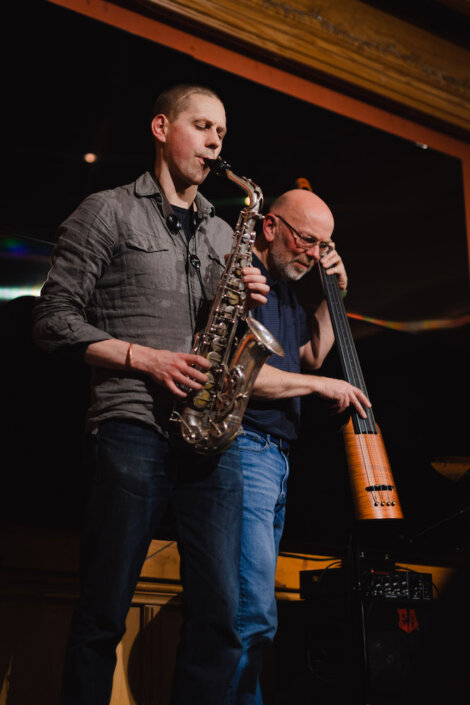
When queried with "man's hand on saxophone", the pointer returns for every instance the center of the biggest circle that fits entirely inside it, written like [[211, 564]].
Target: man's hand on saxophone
[[170, 369], [167, 368], [256, 287], [173, 369]]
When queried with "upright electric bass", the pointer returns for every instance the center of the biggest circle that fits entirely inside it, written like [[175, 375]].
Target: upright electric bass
[[372, 483]]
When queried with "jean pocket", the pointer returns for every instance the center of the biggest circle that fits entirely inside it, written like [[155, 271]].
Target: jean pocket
[[247, 440]]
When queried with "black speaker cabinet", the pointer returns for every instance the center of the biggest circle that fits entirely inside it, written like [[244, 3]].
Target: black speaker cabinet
[[341, 648], [374, 646], [393, 634]]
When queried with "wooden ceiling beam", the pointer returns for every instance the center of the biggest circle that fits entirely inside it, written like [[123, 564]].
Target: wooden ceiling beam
[[346, 40]]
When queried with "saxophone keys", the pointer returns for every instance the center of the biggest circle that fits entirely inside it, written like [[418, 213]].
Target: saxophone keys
[[209, 385], [232, 297], [201, 399], [218, 344], [214, 358]]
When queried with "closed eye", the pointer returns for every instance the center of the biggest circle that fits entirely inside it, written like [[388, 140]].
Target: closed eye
[[208, 125]]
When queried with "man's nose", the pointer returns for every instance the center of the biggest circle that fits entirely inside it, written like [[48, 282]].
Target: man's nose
[[213, 140], [314, 252]]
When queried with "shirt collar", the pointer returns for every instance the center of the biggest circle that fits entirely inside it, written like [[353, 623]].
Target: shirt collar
[[147, 186]]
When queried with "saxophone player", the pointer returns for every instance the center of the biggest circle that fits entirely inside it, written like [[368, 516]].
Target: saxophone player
[[131, 269]]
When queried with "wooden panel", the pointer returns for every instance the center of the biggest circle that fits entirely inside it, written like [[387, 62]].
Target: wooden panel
[[159, 638], [32, 647], [344, 39], [126, 682]]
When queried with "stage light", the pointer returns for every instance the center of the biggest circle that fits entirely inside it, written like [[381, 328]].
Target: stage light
[[7, 293]]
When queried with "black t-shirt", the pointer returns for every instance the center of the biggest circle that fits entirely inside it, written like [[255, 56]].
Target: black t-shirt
[[186, 217]]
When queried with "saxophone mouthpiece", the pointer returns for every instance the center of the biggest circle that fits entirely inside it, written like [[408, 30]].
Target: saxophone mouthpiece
[[218, 166]]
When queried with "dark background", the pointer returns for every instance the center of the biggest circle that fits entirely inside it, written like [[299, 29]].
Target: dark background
[[74, 86]]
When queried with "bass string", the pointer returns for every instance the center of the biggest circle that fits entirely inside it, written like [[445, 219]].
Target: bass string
[[347, 351], [376, 469], [381, 467], [374, 462], [368, 466]]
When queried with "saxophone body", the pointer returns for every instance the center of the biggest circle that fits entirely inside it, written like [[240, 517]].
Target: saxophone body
[[235, 344]]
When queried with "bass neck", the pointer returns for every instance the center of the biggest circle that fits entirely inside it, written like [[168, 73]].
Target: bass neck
[[346, 348]]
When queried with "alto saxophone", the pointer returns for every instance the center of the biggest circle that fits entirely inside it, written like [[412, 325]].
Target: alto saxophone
[[209, 419]]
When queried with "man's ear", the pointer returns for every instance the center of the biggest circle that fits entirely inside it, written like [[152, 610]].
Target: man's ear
[[268, 227], [159, 127]]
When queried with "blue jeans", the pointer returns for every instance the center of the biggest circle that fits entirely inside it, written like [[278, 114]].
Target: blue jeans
[[265, 473], [136, 473]]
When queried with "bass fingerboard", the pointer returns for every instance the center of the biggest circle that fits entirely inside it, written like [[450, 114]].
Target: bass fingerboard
[[346, 347]]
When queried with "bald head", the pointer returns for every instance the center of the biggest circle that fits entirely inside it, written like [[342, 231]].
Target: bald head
[[296, 218], [304, 208]]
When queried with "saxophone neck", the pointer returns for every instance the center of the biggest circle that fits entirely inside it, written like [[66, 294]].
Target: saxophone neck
[[254, 193]]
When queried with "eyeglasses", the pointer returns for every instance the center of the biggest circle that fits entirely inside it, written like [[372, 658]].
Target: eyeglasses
[[307, 242]]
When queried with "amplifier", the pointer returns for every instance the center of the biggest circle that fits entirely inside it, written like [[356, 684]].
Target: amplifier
[[378, 584], [398, 585]]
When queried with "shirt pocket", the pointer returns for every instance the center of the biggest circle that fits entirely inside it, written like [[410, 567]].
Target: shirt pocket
[[147, 263]]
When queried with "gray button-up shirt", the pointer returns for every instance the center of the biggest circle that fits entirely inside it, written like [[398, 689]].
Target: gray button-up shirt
[[118, 272]]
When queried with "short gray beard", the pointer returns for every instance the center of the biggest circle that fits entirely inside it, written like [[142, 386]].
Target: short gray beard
[[286, 271], [289, 272]]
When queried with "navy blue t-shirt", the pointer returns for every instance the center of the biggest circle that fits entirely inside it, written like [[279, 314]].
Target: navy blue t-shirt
[[285, 318]]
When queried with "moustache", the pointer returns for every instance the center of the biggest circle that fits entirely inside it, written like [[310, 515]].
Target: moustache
[[309, 262]]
